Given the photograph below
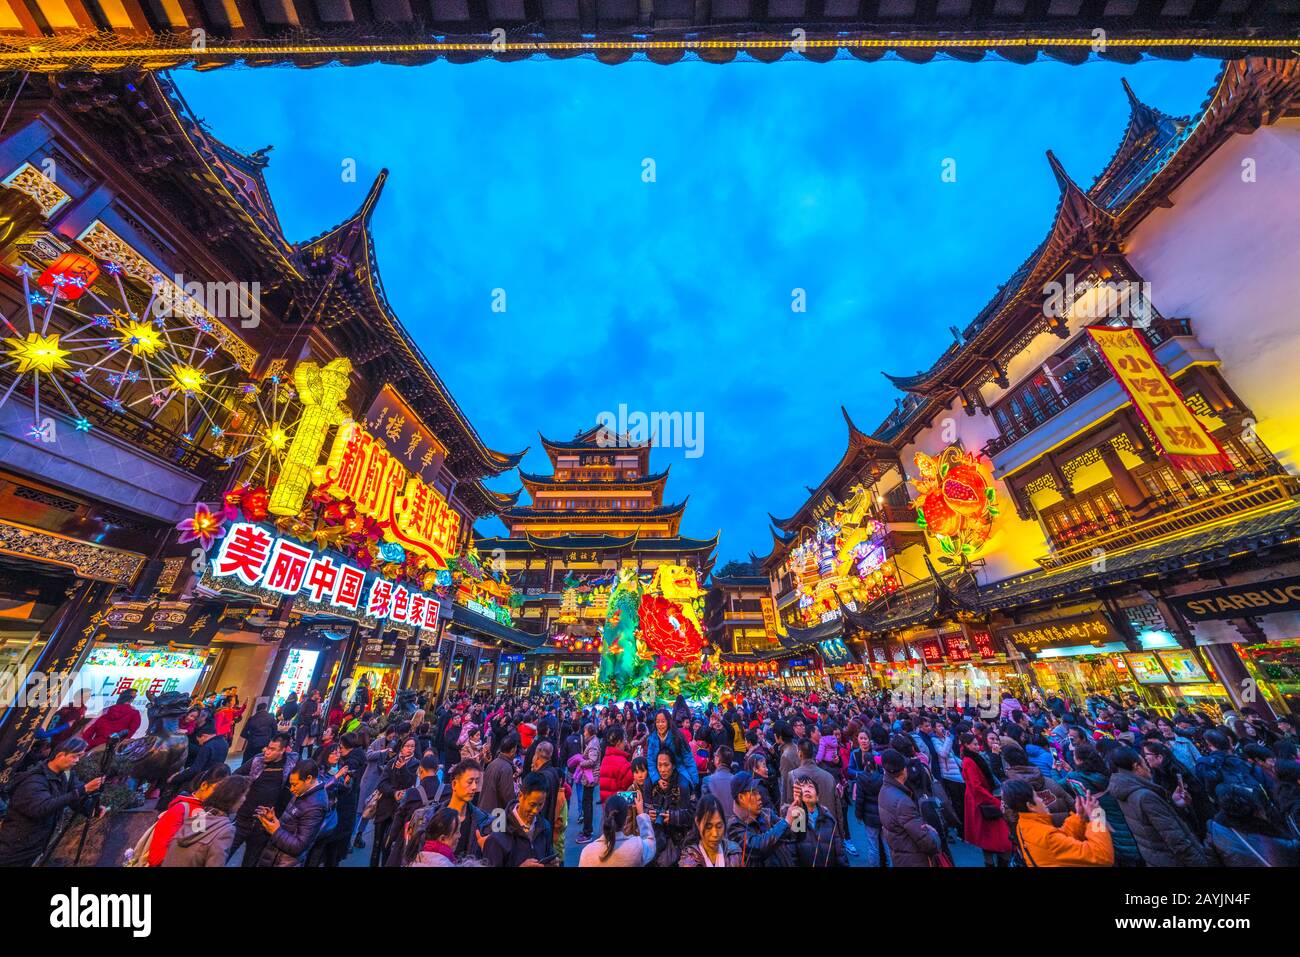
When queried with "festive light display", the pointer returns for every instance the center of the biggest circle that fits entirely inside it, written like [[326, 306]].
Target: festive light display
[[484, 591], [652, 645], [69, 276], [956, 504], [321, 391], [409, 510], [843, 556], [85, 335], [256, 556]]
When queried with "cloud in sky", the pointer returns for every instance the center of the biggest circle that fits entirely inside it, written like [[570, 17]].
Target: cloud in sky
[[675, 295]]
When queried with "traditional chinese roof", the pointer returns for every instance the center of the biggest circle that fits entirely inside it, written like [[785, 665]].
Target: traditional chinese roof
[[533, 482], [346, 296], [151, 141], [780, 546], [594, 514], [483, 501], [52, 35], [860, 453], [739, 581], [564, 543], [1156, 153], [796, 638], [1148, 140], [591, 440], [491, 628]]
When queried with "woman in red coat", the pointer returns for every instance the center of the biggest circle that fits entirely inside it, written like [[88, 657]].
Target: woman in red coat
[[989, 834], [615, 766]]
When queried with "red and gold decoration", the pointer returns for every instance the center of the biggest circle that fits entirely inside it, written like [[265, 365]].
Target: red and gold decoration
[[1179, 434], [843, 556], [652, 644], [956, 502]]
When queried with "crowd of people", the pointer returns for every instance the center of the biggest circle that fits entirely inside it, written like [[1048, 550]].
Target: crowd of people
[[770, 778]]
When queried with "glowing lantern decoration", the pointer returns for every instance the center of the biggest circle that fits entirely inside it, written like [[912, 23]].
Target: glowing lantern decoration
[[666, 631], [37, 353], [957, 503], [188, 379], [321, 390], [69, 276], [142, 338]]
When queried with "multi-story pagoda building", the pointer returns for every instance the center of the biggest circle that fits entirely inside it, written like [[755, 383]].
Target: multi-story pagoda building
[[599, 510]]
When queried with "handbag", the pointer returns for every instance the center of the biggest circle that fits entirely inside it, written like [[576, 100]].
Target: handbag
[[990, 812], [372, 803]]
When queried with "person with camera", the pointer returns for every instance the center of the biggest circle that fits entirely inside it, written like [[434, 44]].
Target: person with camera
[[39, 798]]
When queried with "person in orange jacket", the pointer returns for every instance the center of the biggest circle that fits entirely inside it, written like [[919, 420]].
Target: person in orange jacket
[[1082, 840]]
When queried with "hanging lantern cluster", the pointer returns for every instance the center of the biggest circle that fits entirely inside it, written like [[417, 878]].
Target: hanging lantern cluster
[[575, 642]]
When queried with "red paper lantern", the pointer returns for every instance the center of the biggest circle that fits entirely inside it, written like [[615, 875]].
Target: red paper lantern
[[69, 276]]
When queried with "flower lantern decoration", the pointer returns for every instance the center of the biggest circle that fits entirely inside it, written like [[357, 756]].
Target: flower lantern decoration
[[204, 527], [666, 631], [957, 502]]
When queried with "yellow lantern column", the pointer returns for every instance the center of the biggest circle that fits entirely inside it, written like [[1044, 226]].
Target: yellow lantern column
[[322, 391]]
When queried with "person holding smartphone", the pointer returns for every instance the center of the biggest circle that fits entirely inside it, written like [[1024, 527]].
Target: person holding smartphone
[[525, 840]]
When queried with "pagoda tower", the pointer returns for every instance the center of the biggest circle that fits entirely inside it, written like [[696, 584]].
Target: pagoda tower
[[600, 509]]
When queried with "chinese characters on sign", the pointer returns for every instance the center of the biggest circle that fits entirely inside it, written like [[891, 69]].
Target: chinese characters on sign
[[1091, 629], [1180, 435], [257, 557], [410, 511], [770, 628], [415, 446]]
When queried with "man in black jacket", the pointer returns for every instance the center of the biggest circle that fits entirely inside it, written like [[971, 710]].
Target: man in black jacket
[[212, 751], [526, 839], [39, 797], [763, 838], [290, 839], [257, 732], [427, 790]]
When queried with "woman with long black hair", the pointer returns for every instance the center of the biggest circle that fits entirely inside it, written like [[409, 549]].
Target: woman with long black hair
[[668, 802], [625, 841], [665, 738], [985, 826]]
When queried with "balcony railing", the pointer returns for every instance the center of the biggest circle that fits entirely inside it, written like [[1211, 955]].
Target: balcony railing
[[1073, 386], [1253, 496]]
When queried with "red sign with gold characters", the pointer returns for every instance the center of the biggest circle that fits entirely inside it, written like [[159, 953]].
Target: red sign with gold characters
[[1180, 435], [409, 510]]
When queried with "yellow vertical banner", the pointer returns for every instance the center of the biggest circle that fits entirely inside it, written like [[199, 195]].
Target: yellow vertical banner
[[1180, 436]]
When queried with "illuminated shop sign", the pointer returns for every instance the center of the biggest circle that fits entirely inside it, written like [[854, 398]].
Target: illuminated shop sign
[[257, 557], [1239, 601], [409, 510], [1093, 629]]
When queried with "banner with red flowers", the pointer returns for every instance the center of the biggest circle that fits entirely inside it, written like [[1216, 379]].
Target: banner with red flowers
[[1179, 434]]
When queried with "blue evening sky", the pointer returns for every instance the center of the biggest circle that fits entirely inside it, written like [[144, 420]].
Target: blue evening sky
[[675, 295]]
